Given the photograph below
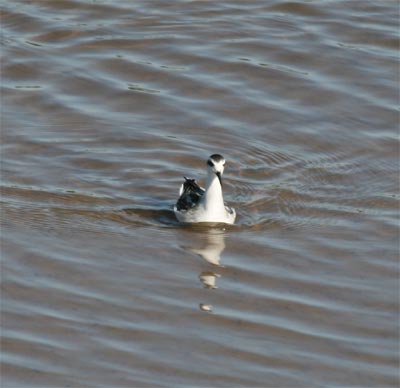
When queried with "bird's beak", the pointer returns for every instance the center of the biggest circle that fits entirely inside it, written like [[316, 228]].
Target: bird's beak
[[218, 174]]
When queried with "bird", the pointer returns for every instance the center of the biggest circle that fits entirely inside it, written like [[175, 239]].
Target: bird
[[198, 205]]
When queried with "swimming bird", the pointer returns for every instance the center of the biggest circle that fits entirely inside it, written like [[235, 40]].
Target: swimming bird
[[196, 204]]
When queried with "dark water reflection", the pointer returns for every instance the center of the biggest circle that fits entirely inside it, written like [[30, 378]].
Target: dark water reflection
[[106, 105]]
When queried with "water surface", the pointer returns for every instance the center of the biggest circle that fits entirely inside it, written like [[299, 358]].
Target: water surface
[[106, 105]]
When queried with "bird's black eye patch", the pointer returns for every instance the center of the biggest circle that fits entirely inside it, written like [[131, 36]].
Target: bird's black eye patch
[[210, 163]]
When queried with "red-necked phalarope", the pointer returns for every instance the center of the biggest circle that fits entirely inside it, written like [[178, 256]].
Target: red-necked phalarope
[[196, 204]]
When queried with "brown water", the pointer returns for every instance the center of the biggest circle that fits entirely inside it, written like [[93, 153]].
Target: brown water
[[107, 104]]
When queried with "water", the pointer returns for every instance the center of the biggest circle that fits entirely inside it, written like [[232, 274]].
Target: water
[[106, 105]]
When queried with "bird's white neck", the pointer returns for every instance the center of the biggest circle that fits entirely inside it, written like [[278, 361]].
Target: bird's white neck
[[213, 199]]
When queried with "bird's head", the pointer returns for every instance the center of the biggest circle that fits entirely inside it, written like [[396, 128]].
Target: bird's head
[[216, 165]]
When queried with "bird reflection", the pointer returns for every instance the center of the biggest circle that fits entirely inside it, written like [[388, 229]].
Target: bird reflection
[[210, 248], [209, 279]]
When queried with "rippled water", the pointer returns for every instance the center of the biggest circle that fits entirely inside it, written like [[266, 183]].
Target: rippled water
[[106, 105]]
